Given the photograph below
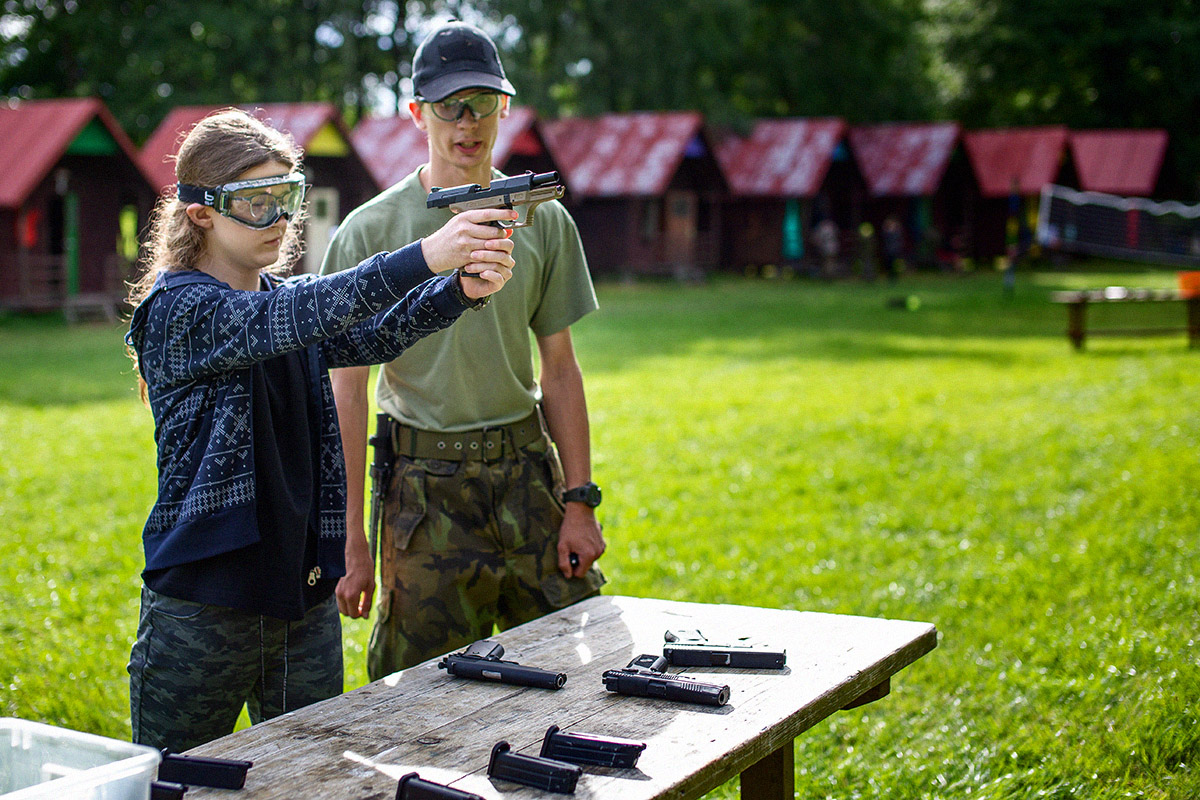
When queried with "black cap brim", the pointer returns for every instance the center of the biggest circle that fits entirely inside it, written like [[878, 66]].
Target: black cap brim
[[445, 85]]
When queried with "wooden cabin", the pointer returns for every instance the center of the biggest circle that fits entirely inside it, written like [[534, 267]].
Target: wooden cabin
[[645, 190], [1121, 162], [783, 181], [916, 174], [1010, 166], [72, 201]]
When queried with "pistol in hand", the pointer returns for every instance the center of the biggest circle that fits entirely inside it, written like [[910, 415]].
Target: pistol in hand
[[522, 192]]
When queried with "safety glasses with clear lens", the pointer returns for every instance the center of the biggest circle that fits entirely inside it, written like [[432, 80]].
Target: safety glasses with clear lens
[[257, 203], [481, 105]]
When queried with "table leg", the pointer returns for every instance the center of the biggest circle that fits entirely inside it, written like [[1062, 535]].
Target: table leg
[[1076, 322], [1193, 321], [876, 692], [773, 777]]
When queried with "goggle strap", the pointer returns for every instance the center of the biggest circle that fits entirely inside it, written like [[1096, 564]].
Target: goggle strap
[[196, 194]]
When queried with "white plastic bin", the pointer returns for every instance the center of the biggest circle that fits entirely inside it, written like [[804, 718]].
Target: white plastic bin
[[42, 762]]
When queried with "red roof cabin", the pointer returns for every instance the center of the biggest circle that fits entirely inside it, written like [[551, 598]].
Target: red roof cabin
[[1010, 165], [393, 147], [786, 176], [645, 190], [72, 200], [916, 174], [1121, 162], [338, 178]]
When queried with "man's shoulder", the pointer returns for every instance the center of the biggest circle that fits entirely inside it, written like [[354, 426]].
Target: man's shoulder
[[405, 194]]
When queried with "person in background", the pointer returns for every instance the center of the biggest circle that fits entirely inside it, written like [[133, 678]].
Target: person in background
[[893, 248], [246, 540], [489, 517]]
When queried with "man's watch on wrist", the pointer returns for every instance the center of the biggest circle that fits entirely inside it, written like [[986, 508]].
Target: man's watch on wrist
[[475, 305], [588, 494]]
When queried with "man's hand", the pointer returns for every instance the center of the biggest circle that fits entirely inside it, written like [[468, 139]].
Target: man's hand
[[356, 589], [580, 534]]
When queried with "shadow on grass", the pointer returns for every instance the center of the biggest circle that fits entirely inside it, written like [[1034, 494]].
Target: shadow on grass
[[922, 317], [48, 363]]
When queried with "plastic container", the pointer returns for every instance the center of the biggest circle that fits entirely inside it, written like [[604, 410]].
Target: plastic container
[[1189, 284], [42, 762]]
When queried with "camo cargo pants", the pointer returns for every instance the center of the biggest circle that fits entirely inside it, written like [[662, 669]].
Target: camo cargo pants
[[193, 666], [467, 545]]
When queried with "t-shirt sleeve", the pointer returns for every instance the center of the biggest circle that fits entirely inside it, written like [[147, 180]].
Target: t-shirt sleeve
[[569, 294]]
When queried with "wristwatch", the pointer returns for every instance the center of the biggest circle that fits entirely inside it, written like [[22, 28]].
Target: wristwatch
[[588, 494], [457, 288]]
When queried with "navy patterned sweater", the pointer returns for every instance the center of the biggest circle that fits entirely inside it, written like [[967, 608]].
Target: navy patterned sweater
[[195, 339]]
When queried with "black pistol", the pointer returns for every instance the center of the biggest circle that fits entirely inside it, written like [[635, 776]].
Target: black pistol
[[646, 676], [692, 649], [481, 661], [524, 192], [413, 787]]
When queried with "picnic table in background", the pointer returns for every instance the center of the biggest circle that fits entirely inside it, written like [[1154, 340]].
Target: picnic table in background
[[422, 720], [1077, 303]]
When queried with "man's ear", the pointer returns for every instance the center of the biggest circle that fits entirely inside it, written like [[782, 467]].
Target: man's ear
[[201, 216], [504, 100], [416, 113]]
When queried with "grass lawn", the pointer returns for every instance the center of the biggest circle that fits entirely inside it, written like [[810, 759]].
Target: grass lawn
[[784, 444]]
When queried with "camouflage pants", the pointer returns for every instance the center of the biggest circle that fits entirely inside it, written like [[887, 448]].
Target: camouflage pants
[[193, 666], [468, 545]]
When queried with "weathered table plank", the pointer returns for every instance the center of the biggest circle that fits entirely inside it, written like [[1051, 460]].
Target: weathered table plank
[[423, 720]]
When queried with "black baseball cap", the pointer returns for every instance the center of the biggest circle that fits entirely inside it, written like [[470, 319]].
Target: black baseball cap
[[457, 56]]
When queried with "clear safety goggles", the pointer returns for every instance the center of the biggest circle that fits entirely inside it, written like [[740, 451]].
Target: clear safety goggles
[[481, 105], [257, 203]]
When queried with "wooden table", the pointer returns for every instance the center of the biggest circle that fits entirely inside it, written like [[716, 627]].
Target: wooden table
[[358, 745], [1077, 304]]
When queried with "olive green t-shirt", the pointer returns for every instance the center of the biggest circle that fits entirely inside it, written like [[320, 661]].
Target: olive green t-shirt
[[479, 371]]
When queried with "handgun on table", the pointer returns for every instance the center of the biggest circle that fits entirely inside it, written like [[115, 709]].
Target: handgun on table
[[691, 648], [481, 661]]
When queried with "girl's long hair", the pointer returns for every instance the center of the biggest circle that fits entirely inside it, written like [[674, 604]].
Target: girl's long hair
[[215, 151]]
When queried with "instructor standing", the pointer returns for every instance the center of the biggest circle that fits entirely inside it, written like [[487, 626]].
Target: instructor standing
[[489, 514]]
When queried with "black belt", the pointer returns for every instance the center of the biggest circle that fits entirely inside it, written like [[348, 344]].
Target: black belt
[[483, 444]]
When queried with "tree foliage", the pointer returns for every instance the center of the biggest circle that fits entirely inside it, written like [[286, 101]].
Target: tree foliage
[[728, 58], [1083, 63], [144, 57]]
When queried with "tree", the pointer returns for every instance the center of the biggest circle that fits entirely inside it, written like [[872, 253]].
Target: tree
[[860, 59], [1082, 63], [144, 57]]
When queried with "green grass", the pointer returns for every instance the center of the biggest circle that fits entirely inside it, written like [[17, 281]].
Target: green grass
[[784, 444]]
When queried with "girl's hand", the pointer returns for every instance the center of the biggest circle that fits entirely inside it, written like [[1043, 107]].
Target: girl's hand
[[489, 280], [467, 242]]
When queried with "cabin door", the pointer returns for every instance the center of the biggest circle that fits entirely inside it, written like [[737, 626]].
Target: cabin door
[[318, 228]]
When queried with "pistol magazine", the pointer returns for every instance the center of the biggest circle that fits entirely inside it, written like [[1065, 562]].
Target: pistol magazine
[[541, 773]]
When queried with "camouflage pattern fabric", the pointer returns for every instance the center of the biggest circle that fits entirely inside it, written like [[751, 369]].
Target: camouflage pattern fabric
[[193, 666], [466, 546]]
